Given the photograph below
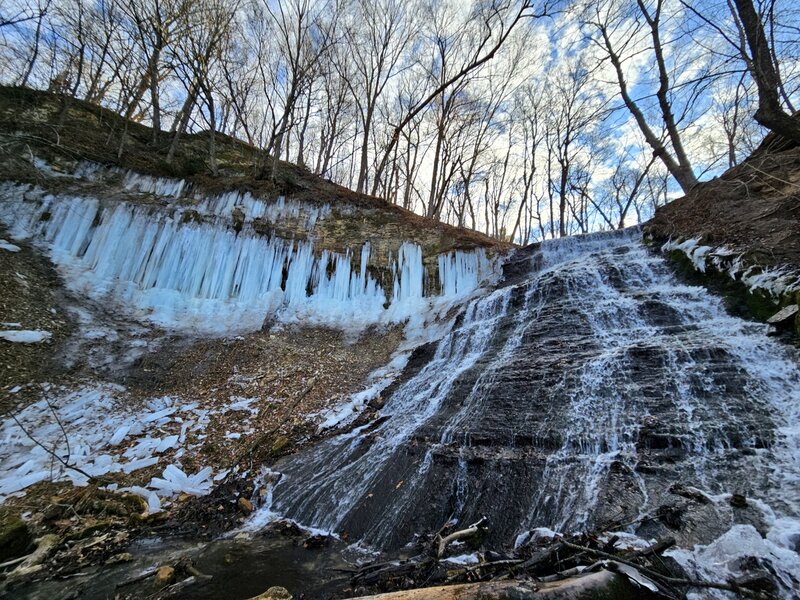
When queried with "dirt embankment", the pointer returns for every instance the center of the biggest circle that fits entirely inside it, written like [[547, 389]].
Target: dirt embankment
[[750, 218], [30, 297], [753, 208]]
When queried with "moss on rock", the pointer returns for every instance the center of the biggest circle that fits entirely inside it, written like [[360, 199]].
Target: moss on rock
[[741, 301], [15, 538]]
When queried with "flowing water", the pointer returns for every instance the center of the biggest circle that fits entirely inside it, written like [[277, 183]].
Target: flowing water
[[573, 396]]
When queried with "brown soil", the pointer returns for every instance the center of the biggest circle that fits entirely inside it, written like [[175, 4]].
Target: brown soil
[[29, 295], [296, 373], [753, 208]]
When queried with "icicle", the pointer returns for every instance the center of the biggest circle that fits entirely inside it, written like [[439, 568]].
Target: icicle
[[210, 278], [160, 186], [409, 274], [461, 272]]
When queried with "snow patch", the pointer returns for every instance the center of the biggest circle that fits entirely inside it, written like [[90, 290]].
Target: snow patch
[[723, 559], [25, 336], [463, 559], [775, 281], [5, 245], [534, 535]]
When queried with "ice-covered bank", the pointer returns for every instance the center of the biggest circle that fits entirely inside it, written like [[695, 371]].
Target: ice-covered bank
[[775, 281], [94, 431], [172, 268]]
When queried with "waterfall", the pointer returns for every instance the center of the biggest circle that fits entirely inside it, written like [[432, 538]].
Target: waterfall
[[572, 397]]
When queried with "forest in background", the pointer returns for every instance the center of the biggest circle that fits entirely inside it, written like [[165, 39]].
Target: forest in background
[[523, 119]]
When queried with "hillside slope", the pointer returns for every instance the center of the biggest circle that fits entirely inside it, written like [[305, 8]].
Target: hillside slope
[[741, 232], [64, 132]]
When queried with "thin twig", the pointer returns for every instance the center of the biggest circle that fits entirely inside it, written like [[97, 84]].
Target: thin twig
[[51, 452], [60, 425]]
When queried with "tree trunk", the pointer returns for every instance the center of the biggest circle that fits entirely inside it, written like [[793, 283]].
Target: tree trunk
[[364, 163], [35, 53], [685, 177], [433, 210], [770, 113], [154, 100], [183, 122], [684, 167]]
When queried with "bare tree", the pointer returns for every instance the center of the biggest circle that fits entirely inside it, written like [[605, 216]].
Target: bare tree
[[197, 55], [770, 113], [39, 14], [156, 24], [494, 20], [377, 35], [611, 25]]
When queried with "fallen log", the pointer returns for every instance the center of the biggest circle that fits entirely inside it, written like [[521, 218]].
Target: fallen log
[[601, 584], [457, 535]]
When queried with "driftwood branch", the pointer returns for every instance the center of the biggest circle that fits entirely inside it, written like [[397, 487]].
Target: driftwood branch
[[457, 535], [580, 563]]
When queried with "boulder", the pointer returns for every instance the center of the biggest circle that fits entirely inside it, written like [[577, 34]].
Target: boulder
[[274, 593], [164, 576], [245, 506], [784, 316]]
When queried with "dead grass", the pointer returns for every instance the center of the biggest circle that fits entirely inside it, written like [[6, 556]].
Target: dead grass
[[754, 207]]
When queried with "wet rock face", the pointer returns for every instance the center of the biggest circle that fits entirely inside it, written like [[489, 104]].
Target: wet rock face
[[572, 399]]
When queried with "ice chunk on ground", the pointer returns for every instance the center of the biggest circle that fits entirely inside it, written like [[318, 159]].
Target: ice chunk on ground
[[168, 442], [119, 435], [722, 559], [4, 245], [25, 336], [174, 481], [239, 403], [96, 425]]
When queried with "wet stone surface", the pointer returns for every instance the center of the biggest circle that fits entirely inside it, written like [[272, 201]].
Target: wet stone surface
[[571, 399]]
